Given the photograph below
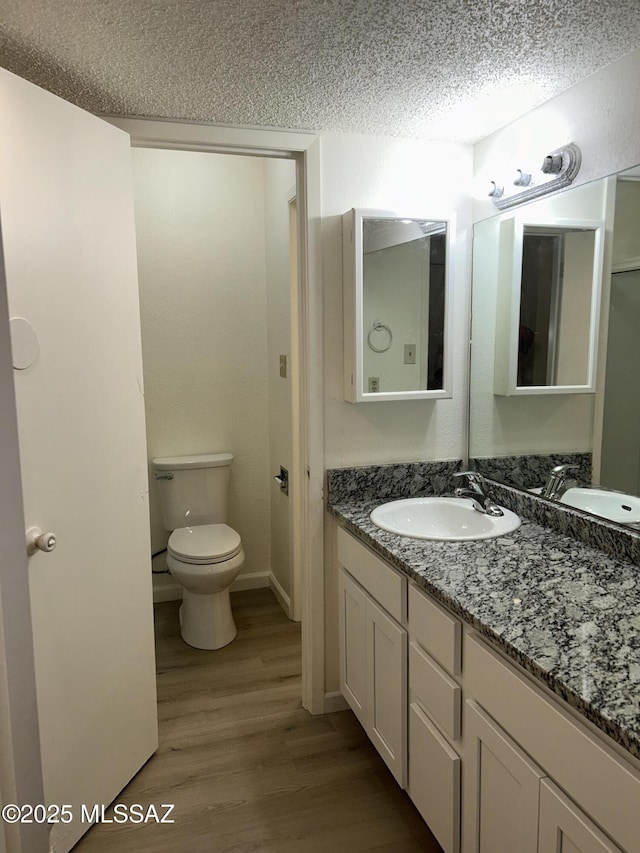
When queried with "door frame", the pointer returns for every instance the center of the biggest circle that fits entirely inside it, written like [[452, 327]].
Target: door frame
[[308, 439]]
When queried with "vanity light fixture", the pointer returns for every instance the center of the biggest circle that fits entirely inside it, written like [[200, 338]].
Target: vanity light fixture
[[561, 165], [523, 179]]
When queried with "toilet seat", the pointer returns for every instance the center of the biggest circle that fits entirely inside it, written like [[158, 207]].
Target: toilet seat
[[204, 544]]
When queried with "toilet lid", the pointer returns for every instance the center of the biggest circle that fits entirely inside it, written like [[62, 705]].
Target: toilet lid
[[206, 543]]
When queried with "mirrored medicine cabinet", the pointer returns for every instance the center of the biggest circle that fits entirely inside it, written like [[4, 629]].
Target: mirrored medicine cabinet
[[548, 305], [396, 306]]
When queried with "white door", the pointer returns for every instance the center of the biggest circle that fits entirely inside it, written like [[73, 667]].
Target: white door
[[66, 214]]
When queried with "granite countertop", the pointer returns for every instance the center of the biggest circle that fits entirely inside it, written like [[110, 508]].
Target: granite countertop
[[567, 613]]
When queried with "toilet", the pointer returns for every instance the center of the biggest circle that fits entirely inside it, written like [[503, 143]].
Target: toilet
[[204, 554]]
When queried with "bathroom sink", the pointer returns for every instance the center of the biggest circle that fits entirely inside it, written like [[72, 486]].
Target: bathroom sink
[[450, 519], [615, 506]]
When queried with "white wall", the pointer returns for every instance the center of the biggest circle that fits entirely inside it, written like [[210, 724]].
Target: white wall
[[201, 257], [279, 183], [626, 235], [575, 309], [396, 291], [417, 179]]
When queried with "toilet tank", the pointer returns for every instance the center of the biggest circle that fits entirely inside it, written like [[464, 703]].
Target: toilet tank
[[193, 489]]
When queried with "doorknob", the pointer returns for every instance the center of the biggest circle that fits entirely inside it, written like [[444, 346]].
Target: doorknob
[[39, 541]]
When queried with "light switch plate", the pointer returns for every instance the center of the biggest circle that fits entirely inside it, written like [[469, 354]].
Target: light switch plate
[[409, 353], [283, 366]]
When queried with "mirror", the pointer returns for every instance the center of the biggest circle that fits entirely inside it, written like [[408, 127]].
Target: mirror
[[585, 412], [549, 280], [396, 273]]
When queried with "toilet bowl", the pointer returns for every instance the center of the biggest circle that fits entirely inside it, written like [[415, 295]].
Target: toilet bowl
[[204, 554], [205, 561]]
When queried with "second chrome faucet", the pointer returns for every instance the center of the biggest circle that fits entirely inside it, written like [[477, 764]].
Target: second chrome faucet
[[557, 482]]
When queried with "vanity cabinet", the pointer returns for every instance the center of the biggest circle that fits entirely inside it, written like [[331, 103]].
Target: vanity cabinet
[[512, 805], [491, 760], [373, 653], [587, 795]]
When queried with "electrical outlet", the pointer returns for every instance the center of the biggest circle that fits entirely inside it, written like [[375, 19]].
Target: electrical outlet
[[374, 384], [409, 353]]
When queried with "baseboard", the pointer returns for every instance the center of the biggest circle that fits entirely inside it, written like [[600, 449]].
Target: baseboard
[[280, 594], [334, 702], [255, 580], [166, 589], [169, 590]]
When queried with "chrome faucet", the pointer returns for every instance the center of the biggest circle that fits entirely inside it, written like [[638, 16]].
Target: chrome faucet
[[477, 491], [557, 482]]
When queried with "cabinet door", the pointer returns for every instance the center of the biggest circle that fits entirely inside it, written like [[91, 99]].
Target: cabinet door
[[386, 649], [566, 829], [501, 789], [353, 637], [434, 780]]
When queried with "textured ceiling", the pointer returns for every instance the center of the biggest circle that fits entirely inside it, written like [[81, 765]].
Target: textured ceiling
[[447, 69]]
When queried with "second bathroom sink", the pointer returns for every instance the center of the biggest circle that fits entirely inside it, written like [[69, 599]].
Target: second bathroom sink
[[615, 506]]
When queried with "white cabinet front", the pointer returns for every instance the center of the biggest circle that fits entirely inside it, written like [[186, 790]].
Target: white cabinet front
[[501, 789], [353, 659], [434, 779], [373, 666], [564, 828]]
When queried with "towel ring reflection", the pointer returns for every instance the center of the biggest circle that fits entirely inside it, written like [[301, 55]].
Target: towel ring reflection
[[379, 326]]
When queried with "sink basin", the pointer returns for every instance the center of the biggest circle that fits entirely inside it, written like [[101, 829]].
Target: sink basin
[[616, 506], [450, 519]]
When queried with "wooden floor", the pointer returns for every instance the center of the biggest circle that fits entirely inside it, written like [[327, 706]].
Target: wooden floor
[[246, 767]]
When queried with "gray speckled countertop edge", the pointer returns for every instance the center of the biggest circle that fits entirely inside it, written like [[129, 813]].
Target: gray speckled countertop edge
[[585, 681]]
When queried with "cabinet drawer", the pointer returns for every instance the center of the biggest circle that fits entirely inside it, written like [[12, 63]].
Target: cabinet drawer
[[388, 587], [436, 630], [434, 780], [604, 786], [438, 694]]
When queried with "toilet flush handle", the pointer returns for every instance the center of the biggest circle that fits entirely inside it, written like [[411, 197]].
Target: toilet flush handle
[[39, 541]]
